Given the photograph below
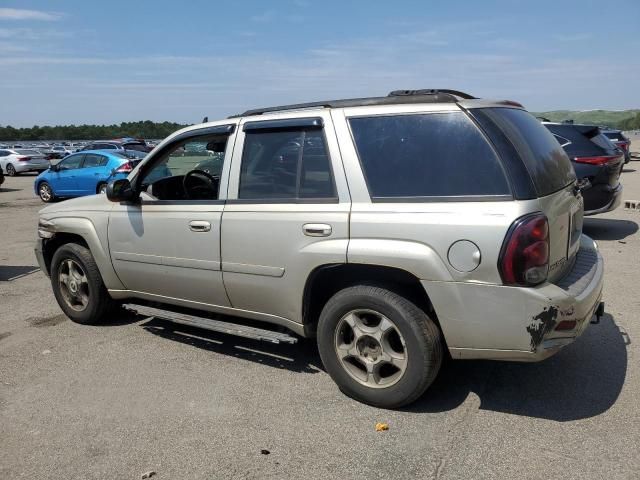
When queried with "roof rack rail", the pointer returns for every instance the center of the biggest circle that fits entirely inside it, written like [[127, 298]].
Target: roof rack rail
[[394, 98], [431, 91]]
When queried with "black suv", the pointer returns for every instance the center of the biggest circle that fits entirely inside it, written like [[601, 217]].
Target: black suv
[[596, 159], [619, 139]]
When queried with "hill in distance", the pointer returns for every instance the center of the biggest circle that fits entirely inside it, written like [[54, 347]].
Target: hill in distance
[[612, 118]]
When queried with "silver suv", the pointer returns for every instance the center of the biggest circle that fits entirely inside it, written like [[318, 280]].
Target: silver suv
[[395, 230]]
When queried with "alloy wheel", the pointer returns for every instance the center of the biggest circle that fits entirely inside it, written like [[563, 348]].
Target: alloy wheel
[[370, 348], [45, 192], [74, 285]]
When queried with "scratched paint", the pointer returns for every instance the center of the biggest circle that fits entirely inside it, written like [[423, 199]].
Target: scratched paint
[[542, 324]]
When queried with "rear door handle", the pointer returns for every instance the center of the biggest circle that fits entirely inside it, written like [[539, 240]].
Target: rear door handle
[[199, 226], [316, 229]]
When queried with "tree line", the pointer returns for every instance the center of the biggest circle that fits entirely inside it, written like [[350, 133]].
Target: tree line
[[142, 129], [632, 123]]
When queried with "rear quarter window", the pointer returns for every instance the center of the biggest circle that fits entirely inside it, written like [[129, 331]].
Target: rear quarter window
[[545, 160], [435, 155]]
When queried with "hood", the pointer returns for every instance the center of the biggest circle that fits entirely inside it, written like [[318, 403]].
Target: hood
[[95, 203]]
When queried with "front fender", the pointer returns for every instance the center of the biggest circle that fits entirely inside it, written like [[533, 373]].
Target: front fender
[[94, 232]]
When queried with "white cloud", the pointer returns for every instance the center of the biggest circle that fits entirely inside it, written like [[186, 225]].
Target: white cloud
[[21, 14]]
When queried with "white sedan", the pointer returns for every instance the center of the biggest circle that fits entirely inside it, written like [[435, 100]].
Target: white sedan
[[13, 162]]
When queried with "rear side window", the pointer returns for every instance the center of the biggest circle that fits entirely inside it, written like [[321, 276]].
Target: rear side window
[[94, 160], [545, 160], [285, 164], [427, 155]]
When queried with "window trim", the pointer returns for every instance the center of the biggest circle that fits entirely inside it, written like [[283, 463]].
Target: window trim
[[150, 161], [284, 124], [295, 125], [432, 199]]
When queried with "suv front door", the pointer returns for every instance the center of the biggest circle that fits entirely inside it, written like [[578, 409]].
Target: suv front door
[[167, 246], [287, 212]]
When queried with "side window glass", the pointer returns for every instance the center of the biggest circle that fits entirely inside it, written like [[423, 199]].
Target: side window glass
[[3, 153], [189, 170], [71, 162], [285, 164], [94, 160]]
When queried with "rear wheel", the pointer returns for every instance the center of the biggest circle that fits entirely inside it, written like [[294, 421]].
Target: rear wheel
[[379, 347], [45, 192], [77, 285], [11, 171], [101, 188]]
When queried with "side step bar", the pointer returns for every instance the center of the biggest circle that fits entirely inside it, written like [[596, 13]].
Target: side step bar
[[213, 325]]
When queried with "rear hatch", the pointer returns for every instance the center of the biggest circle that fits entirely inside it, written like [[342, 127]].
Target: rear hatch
[[587, 146], [550, 172]]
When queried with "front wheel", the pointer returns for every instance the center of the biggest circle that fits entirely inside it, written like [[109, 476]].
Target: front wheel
[[77, 285], [45, 193], [378, 347]]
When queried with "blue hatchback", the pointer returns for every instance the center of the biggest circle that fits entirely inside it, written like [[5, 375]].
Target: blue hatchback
[[83, 173]]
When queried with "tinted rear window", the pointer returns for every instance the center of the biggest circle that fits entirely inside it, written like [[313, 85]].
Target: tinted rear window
[[28, 152], [427, 155], [546, 161], [140, 147]]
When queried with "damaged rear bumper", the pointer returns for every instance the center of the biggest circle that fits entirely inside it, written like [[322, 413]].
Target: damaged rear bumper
[[523, 324]]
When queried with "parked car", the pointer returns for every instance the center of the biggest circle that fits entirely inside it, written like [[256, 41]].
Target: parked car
[[59, 151], [620, 140], [83, 173], [16, 161], [118, 144], [595, 159], [392, 229]]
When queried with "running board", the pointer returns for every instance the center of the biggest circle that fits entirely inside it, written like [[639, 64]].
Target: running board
[[213, 325]]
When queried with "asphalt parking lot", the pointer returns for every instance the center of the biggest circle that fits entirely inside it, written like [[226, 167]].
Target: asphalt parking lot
[[139, 395]]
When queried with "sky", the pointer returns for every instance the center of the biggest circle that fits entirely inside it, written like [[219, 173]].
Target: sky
[[109, 61]]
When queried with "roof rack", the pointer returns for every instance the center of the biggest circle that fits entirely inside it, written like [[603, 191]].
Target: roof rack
[[394, 98]]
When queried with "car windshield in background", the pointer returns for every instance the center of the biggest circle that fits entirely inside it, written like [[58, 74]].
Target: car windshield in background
[[544, 158], [427, 156], [28, 152]]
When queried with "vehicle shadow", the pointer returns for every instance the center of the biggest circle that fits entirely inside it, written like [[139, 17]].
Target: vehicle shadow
[[9, 273], [4, 189], [303, 357], [628, 170], [581, 381], [608, 228]]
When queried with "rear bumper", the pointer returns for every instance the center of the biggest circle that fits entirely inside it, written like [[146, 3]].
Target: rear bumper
[[513, 323], [612, 199], [30, 167]]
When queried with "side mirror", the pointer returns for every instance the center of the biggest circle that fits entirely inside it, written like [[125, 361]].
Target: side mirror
[[55, 168], [121, 191]]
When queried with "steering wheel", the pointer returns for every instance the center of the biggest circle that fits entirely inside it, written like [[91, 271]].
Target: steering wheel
[[204, 188]]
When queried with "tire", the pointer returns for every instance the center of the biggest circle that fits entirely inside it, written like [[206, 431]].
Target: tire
[[101, 188], [420, 343], [98, 301], [11, 170], [45, 192]]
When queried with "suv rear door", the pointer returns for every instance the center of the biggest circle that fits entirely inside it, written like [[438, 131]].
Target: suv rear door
[[287, 211]]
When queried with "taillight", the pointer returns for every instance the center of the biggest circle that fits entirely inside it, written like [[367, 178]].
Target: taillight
[[602, 160], [124, 168], [623, 145], [524, 259], [24, 159]]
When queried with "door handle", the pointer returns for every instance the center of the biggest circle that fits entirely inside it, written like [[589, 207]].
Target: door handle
[[316, 229], [199, 226]]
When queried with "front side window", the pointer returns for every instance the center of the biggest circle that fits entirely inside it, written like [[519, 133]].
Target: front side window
[[188, 170], [71, 162], [285, 164], [426, 155]]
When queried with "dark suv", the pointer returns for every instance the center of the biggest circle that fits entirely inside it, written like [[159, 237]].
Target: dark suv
[[119, 144], [596, 159], [620, 140]]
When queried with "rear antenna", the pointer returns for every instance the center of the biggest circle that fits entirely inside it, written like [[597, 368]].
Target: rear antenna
[[205, 119]]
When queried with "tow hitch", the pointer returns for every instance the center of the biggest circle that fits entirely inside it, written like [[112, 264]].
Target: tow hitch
[[598, 313]]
